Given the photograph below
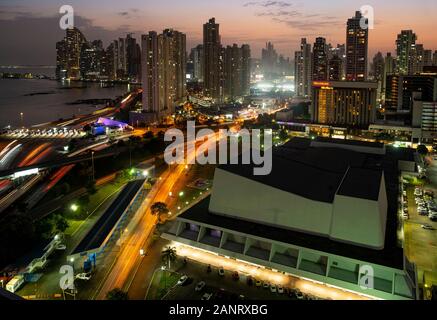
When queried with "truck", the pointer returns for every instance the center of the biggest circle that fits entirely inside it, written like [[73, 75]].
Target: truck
[[15, 283]]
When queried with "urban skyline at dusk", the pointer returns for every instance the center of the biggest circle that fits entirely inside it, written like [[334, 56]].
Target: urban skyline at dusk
[[284, 23]]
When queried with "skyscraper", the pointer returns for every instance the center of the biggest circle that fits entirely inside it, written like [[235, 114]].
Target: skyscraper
[[68, 54], [303, 70], [269, 61], [320, 60], [405, 49], [434, 58], [212, 74], [197, 57], [236, 71], [163, 71], [133, 59], [335, 65], [357, 42]]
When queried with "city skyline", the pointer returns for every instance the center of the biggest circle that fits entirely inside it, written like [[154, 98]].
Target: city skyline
[[284, 24]]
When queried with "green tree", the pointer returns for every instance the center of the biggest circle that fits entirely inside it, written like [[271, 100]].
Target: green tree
[[169, 256], [148, 135], [422, 150], [61, 224], [117, 294], [159, 209]]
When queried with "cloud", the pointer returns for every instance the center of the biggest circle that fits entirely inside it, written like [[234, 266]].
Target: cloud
[[132, 13], [26, 31], [267, 4], [279, 12]]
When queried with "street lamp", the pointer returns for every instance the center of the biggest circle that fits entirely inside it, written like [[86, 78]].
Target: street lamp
[[92, 160], [74, 207], [181, 194]]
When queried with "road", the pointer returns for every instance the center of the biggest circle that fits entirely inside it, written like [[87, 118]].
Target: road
[[140, 234]]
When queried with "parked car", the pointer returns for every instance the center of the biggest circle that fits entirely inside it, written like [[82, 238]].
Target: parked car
[[258, 283], [206, 296], [299, 295], [249, 281], [221, 272], [182, 280], [280, 290], [427, 227], [235, 276], [266, 285], [84, 276], [273, 288], [200, 286]]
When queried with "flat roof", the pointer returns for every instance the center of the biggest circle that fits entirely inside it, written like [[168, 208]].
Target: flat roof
[[390, 256], [317, 173]]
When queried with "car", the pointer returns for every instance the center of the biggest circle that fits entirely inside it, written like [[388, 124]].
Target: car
[[200, 286], [83, 276], [221, 272], [241, 297], [249, 281], [427, 227], [433, 218], [280, 290], [182, 280], [266, 285], [235, 276], [258, 283], [273, 288], [300, 295], [206, 296], [405, 216], [61, 247]]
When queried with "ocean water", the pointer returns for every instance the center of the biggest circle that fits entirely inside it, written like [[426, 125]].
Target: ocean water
[[42, 101]]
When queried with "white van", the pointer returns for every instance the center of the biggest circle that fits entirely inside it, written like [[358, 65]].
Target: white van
[[15, 284]]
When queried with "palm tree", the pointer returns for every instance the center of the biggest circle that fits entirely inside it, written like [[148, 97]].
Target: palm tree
[[159, 209], [169, 255]]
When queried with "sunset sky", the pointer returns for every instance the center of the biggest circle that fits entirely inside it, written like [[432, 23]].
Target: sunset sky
[[30, 28]]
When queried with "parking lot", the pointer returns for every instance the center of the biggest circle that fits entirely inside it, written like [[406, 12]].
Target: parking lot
[[421, 244], [226, 287]]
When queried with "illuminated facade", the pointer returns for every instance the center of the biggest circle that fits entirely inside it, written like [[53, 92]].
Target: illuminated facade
[[357, 42], [344, 103]]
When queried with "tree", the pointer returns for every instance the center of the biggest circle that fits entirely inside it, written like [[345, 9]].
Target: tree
[[159, 209], [148, 135], [422, 150], [169, 255], [61, 224], [117, 294]]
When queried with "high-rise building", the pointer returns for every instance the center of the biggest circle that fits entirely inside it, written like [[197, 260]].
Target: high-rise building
[[68, 54], [335, 68], [416, 60], [378, 67], [400, 90], [357, 42], [212, 66], [91, 60], [197, 58], [434, 58], [345, 103], [340, 52], [269, 60], [405, 49], [236, 71], [427, 58], [133, 59], [303, 70], [163, 71], [389, 69], [320, 60]]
